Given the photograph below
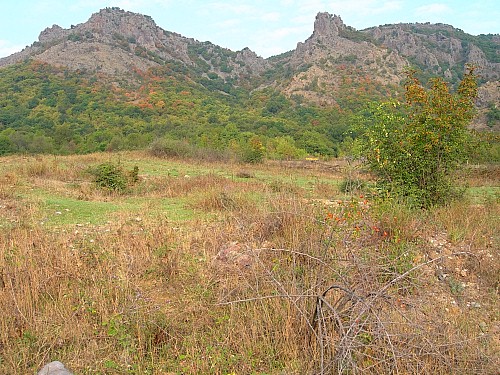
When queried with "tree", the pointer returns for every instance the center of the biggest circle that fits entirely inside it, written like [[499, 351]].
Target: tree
[[284, 148], [6, 145], [252, 150], [415, 148]]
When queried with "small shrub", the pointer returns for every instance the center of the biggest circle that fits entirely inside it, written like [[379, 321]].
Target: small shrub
[[133, 175], [253, 151], [112, 177], [277, 186]]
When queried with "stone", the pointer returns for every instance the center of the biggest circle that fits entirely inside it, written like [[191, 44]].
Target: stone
[[235, 253], [54, 368], [483, 327]]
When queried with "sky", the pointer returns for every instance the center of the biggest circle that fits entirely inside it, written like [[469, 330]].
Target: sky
[[267, 27]]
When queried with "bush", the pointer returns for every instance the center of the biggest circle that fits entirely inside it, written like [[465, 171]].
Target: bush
[[284, 148], [253, 151], [415, 148], [112, 177], [167, 147], [352, 185]]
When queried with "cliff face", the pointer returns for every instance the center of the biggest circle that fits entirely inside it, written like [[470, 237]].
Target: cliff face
[[440, 49], [336, 55]]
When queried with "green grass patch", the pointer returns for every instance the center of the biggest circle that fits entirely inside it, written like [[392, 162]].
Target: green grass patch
[[483, 194], [66, 211], [172, 209], [154, 167]]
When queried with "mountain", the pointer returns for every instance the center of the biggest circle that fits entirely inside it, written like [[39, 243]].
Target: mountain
[[336, 57], [115, 42], [119, 76], [441, 49]]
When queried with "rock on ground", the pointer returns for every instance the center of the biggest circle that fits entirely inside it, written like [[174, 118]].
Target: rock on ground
[[54, 368]]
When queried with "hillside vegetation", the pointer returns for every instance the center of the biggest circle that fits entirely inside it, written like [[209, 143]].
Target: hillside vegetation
[[118, 81], [53, 110]]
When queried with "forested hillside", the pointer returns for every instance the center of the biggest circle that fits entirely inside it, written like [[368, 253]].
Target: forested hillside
[[48, 109], [119, 81]]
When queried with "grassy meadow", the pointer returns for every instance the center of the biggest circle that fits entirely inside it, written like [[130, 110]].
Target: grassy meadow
[[211, 268]]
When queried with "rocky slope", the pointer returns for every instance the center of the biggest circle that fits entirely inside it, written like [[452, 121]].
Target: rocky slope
[[336, 55], [335, 62], [439, 48], [114, 41]]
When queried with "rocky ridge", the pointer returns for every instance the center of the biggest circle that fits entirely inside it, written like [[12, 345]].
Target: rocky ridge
[[333, 52], [438, 48], [335, 57], [114, 41]]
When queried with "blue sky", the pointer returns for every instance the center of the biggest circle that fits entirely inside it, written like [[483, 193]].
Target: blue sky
[[268, 27]]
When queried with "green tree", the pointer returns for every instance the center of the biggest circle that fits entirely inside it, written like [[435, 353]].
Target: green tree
[[416, 147], [6, 145], [284, 148], [252, 150], [316, 143]]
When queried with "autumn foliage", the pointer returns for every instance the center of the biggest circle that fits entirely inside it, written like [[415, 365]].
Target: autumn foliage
[[415, 147]]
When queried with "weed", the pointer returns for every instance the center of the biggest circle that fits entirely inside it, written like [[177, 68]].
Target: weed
[[456, 287], [352, 185]]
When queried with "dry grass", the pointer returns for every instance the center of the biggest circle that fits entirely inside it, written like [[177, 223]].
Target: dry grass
[[266, 277]]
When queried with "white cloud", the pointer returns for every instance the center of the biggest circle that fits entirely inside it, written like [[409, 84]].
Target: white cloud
[[271, 42], [313, 6], [240, 9], [305, 20], [270, 17], [364, 7], [432, 9], [389, 6], [228, 24], [285, 32], [7, 48]]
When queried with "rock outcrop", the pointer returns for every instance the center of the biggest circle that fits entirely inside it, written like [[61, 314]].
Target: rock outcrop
[[336, 52], [114, 41], [437, 48]]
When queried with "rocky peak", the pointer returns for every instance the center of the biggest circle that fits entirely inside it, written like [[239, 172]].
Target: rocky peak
[[252, 60], [52, 33], [327, 29], [327, 25], [118, 20]]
